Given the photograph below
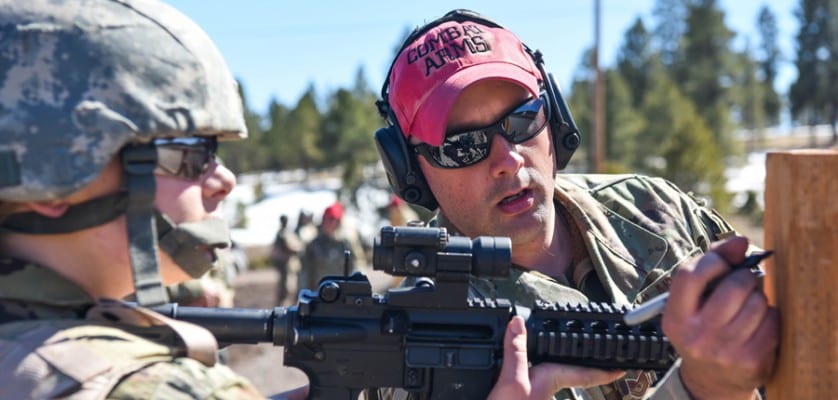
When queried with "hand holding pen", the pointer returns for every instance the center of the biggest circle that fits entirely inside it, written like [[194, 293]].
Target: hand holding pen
[[654, 307]]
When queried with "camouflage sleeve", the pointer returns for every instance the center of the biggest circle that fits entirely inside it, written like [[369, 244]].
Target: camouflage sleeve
[[183, 379], [670, 387]]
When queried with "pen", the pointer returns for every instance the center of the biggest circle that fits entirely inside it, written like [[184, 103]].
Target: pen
[[653, 307]]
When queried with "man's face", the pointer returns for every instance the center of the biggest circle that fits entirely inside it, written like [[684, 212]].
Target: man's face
[[187, 201], [330, 225], [510, 192]]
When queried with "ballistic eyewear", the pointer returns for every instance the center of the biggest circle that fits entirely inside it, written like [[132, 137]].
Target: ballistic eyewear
[[469, 147], [185, 158]]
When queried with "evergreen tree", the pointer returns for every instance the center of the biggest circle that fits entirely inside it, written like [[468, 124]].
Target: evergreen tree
[[750, 93], [708, 68], [670, 29], [813, 95], [623, 125], [580, 100], [280, 141], [769, 60], [347, 132], [679, 146], [633, 60], [304, 127]]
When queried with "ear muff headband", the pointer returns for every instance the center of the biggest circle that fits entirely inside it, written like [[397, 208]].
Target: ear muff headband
[[400, 162]]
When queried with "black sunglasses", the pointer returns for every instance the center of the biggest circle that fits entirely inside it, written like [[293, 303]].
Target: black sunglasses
[[185, 158], [472, 146]]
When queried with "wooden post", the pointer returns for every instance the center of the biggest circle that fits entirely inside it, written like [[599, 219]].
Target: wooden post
[[801, 226]]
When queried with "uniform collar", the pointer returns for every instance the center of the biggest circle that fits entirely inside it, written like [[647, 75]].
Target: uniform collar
[[30, 283]]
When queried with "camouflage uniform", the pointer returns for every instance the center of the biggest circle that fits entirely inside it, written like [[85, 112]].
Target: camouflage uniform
[[49, 348], [631, 232]]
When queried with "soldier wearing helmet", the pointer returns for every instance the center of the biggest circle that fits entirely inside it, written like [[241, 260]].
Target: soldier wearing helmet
[[110, 116]]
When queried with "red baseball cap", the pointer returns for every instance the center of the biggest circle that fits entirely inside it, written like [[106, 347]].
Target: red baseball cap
[[334, 211], [431, 72]]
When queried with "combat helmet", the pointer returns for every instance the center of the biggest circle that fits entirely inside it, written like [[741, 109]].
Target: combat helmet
[[84, 81]]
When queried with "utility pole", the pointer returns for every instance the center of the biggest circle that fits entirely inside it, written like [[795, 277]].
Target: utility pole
[[598, 145]]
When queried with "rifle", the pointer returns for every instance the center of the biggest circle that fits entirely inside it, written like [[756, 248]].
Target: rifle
[[431, 339]]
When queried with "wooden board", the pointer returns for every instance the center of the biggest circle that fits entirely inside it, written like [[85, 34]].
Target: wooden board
[[801, 226]]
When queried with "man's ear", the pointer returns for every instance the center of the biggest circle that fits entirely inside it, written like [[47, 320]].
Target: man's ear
[[52, 209]]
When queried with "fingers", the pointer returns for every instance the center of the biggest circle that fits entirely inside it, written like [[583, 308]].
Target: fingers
[[692, 279], [732, 249], [515, 367], [735, 298], [547, 379], [518, 381]]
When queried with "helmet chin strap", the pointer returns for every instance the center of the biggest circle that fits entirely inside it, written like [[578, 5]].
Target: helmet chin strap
[[138, 163], [94, 212]]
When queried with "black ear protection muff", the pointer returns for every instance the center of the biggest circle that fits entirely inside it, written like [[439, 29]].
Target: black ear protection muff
[[397, 155]]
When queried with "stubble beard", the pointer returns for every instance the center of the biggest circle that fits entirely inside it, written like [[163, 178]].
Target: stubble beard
[[530, 228]]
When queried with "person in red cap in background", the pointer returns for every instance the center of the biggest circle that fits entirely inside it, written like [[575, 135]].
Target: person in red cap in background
[[477, 131], [324, 255], [399, 213]]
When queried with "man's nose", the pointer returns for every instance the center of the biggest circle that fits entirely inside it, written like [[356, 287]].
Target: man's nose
[[504, 157]]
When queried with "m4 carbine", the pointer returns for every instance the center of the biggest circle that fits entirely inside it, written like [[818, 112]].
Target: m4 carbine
[[432, 339]]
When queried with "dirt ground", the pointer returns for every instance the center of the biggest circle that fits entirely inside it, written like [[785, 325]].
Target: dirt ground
[[262, 364]]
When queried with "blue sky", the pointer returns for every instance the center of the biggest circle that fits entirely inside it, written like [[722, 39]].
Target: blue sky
[[279, 48]]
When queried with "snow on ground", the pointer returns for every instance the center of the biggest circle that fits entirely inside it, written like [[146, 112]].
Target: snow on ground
[[289, 193], [748, 177]]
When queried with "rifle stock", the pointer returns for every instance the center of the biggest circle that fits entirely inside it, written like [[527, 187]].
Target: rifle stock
[[431, 339]]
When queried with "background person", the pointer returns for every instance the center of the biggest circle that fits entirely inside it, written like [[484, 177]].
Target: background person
[[285, 258], [324, 255]]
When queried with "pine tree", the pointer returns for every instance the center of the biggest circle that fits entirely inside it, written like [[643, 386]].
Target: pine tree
[[623, 125], [814, 95], [708, 68], [633, 60], [280, 141], [347, 132], [671, 16], [580, 101], [304, 126], [751, 93], [679, 146], [769, 60]]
